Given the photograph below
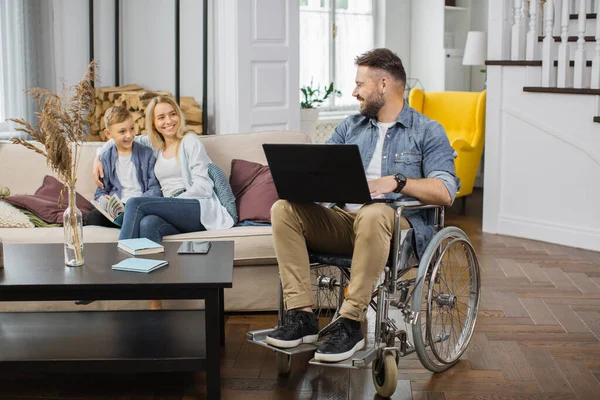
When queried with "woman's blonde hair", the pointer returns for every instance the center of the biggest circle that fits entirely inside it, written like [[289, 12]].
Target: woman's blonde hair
[[156, 138]]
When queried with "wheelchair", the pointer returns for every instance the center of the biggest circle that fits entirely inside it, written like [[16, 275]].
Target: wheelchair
[[438, 304]]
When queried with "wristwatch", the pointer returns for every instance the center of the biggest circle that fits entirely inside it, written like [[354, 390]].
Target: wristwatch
[[401, 181]]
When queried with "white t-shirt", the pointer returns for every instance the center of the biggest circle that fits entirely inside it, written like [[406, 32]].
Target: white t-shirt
[[168, 173], [374, 169], [127, 174]]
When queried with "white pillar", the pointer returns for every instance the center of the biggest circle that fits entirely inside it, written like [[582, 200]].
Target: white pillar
[[548, 46], [563, 48], [499, 29], [517, 43], [596, 60], [532, 34], [580, 53]]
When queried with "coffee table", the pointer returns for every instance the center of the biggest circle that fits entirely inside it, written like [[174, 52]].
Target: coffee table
[[114, 341]]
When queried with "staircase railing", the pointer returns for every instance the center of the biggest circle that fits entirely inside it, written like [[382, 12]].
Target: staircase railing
[[517, 28]]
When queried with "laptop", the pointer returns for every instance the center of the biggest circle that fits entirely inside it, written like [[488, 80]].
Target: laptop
[[331, 173]]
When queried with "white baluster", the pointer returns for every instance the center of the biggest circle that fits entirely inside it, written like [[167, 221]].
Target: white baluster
[[557, 16], [580, 53], [548, 47], [596, 60], [532, 35], [563, 48], [518, 32]]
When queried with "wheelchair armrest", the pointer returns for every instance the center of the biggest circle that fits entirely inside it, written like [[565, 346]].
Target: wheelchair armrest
[[414, 205]]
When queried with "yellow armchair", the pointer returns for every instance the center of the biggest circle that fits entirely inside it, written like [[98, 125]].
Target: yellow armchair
[[462, 114]]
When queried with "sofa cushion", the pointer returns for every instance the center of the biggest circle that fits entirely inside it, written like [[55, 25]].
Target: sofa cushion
[[45, 202], [254, 190], [91, 234], [223, 190], [253, 244], [12, 217]]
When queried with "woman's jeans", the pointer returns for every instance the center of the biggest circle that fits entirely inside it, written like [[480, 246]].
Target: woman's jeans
[[155, 217]]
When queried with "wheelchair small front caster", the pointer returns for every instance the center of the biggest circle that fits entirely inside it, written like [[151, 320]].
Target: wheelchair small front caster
[[385, 375], [284, 363]]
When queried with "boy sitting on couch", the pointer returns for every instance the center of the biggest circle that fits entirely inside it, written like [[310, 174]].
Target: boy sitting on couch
[[128, 166]]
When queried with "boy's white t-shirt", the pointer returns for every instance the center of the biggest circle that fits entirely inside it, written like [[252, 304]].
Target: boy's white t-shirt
[[374, 169], [168, 173], [127, 174]]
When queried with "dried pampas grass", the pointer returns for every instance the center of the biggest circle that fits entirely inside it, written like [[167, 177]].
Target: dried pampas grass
[[63, 127], [63, 124]]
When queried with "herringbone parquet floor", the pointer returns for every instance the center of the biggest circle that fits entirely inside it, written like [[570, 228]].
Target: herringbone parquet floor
[[537, 337]]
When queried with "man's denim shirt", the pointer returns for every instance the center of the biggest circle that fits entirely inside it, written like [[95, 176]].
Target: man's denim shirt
[[415, 147]]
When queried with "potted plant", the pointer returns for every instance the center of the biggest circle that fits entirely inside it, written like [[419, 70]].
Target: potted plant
[[313, 97]]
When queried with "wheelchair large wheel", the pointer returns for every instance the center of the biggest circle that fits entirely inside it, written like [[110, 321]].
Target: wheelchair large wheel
[[446, 297], [328, 286]]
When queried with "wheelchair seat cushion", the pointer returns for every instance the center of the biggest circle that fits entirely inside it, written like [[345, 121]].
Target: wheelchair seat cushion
[[333, 259], [346, 261]]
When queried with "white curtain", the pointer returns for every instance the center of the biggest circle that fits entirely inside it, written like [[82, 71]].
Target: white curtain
[[26, 59]]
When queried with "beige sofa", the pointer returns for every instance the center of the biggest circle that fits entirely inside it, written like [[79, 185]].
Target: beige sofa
[[255, 275]]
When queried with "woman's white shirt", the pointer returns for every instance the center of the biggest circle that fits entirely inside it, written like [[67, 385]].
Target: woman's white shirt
[[169, 175]]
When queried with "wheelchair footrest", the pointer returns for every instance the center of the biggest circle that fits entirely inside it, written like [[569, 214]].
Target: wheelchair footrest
[[361, 359], [260, 338]]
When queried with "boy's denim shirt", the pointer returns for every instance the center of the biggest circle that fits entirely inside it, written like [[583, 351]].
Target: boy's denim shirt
[[142, 158], [415, 147]]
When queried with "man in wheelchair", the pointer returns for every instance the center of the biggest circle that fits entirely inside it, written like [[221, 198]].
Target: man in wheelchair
[[405, 156]]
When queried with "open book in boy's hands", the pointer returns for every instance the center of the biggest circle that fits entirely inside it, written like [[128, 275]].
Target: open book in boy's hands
[[111, 207]]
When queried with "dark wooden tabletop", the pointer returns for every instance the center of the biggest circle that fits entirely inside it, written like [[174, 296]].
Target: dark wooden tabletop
[[37, 266]]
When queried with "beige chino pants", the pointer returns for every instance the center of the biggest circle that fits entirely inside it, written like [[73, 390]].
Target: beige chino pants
[[365, 234]]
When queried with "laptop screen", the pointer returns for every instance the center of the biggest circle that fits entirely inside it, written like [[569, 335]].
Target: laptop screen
[[318, 172]]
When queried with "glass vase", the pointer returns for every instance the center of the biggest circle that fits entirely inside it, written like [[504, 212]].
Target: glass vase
[[73, 228]]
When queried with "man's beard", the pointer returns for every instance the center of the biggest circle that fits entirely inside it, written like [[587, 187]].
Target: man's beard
[[372, 106]]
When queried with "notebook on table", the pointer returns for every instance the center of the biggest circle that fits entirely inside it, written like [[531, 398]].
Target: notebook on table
[[139, 265], [140, 246]]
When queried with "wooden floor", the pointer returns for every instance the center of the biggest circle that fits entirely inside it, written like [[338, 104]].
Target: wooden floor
[[537, 337]]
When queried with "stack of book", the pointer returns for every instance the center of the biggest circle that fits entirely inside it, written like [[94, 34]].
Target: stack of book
[[137, 247]]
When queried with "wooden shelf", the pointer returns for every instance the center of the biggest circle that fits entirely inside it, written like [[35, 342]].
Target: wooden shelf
[[451, 8], [570, 39], [587, 16], [111, 341], [584, 91], [518, 63]]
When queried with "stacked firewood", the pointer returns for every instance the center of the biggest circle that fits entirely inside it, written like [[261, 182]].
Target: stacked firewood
[[136, 99]]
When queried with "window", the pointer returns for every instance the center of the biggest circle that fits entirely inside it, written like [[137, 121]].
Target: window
[[332, 34]]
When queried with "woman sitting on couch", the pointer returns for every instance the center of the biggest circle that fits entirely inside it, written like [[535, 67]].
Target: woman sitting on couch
[[189, 204]]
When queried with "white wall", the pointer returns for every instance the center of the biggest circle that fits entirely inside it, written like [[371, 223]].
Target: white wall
[[147, 43], [71, 43], [397, 29], [542, 162], [427, 56]]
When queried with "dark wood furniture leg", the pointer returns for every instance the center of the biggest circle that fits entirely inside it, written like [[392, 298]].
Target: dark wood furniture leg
[[222, 315], [213, 348]]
